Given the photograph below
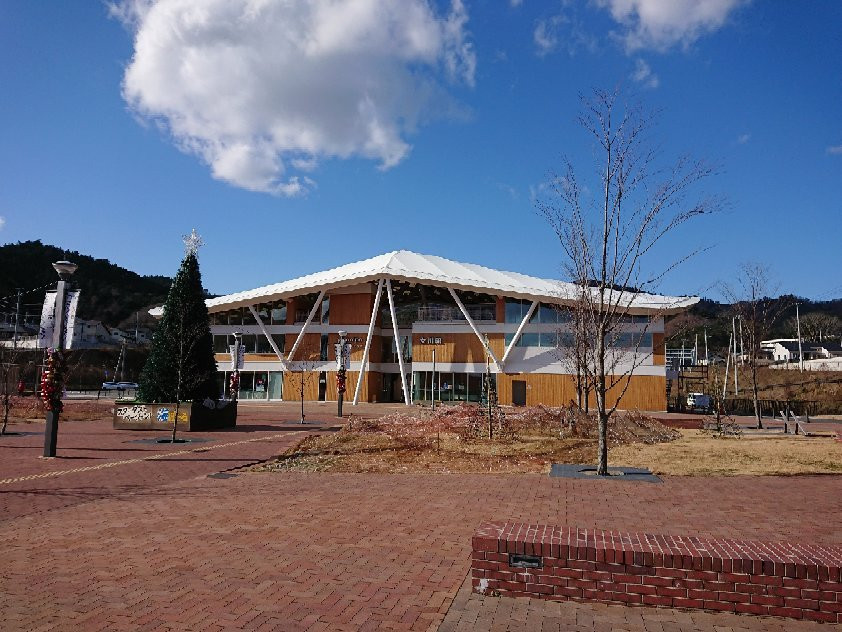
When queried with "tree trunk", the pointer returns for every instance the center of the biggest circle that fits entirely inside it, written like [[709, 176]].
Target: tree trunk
[[754, 395]]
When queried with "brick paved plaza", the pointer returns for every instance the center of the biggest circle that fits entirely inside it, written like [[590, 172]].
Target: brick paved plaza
[[121, 535]]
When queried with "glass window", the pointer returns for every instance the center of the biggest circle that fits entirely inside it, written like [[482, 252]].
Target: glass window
[[261, 384], [445, 383], [528, 340], [249, 342], [220, 343], [263, 345], [325, 310], [516, 309], [248, 317], [263, 312], [460, 387], [323, 348], [276, 385], [474, 387], [279, 341], [235, 316], [278, 313], [548, 339]]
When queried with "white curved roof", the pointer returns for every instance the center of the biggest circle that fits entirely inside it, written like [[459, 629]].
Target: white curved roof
[[412, 267]]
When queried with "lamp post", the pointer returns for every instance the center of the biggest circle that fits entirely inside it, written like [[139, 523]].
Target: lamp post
[[65, 270], [236, 364], [341, 369]]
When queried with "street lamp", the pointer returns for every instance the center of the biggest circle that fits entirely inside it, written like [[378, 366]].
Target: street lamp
[[65, 270], [341, 369]]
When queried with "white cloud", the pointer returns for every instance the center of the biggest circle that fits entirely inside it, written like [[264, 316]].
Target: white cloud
[[643, 74], [545, 35], [835, 150], [661, 24], [262, 89], [742, 139], [2, 222]]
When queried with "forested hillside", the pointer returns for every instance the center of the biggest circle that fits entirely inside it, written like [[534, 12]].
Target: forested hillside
[[109, 293]]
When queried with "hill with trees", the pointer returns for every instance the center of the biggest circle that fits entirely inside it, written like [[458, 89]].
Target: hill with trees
[[109, 293]]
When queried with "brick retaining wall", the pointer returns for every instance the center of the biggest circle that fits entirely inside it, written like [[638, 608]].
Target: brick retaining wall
[[798, 581]]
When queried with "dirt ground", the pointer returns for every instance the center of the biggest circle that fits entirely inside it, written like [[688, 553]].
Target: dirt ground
[[698, 453], [456, 440]]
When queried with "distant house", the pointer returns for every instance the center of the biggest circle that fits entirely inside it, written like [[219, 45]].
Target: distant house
[[786, 349]]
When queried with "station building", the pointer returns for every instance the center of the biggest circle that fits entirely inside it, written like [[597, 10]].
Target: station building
[[422, 327]]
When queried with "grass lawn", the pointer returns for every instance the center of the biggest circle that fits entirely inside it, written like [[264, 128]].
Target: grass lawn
[[697, 453]]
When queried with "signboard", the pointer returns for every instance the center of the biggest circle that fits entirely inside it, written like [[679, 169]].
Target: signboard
[[423, 340], [70, 305], [48, 319]]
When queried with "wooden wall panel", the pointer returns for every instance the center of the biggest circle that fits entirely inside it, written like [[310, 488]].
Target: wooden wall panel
[[369, 391], [292, 386], [309, 349], [658, 349], [455, 348], [351, 309], [645, 392], [501, 310]]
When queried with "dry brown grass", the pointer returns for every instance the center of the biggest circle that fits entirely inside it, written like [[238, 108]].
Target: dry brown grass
[[698, 453], [31, 409], [456, 440]]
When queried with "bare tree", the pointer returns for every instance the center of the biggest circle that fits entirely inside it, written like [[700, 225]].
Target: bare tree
[[9, 377], [817, 326], [609, 239], [750, 295], [304, 371]]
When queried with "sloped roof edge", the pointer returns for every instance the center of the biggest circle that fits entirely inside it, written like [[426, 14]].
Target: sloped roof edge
[[413, 267]]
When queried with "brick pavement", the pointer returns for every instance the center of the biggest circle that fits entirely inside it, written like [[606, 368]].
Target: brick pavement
[[156, 545]]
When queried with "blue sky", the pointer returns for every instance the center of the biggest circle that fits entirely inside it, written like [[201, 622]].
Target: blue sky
[[303, 139]]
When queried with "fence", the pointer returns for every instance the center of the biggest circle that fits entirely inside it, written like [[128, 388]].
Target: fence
[[768, 407]]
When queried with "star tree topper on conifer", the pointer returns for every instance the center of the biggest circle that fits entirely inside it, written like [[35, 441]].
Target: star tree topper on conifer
[[181, 364]]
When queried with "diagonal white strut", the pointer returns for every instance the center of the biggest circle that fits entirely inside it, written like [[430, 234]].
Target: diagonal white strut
[[268, 336], [397, 340], [364, 364], [306, 324], [520, 330], [474, 327]]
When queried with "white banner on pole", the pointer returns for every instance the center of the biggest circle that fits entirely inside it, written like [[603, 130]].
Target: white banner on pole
[[238, 356], [48, 319], [70, 305]]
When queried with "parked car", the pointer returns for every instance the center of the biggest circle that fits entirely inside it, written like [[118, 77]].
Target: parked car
[[698, 401], [119, 386]]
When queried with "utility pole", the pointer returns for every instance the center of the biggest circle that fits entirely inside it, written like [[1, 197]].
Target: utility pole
[[17, 318], [727, 364], [707, 357], [742, 348], [800, 353], [734, 335]]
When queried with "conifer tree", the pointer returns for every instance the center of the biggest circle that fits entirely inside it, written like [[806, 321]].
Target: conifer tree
[[181, 364]]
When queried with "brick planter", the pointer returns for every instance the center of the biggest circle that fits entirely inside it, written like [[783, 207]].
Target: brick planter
[[798, 581]]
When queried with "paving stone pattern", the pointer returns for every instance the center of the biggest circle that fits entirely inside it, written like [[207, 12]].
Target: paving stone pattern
[[154, 544]]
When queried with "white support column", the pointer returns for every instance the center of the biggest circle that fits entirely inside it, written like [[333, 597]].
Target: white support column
[[397, 340], [268, 336], [474, 327], [364, 364], [520, 330], [306, 324]]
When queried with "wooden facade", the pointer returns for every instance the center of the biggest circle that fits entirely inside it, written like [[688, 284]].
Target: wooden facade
[[352, 311]]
